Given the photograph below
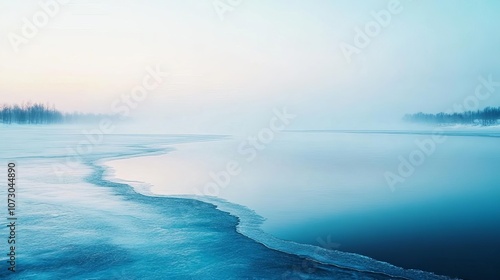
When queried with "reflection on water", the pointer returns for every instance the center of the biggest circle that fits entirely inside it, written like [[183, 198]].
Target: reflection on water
[[310, 186]]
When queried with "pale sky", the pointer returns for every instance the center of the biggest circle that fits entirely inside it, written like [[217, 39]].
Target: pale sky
[[264, 54]]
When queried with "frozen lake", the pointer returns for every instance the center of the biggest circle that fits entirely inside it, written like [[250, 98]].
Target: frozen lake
[[325, 189]]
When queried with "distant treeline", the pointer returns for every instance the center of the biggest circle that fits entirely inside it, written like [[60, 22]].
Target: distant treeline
[[39, 113], [486, 117]]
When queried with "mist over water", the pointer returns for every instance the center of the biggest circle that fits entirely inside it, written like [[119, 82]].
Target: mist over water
[[239, 139]]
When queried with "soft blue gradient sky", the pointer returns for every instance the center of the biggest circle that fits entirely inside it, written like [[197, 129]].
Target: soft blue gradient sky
[[265, 54]]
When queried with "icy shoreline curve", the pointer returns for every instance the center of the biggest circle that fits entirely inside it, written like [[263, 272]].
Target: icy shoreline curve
[[249, 225]]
